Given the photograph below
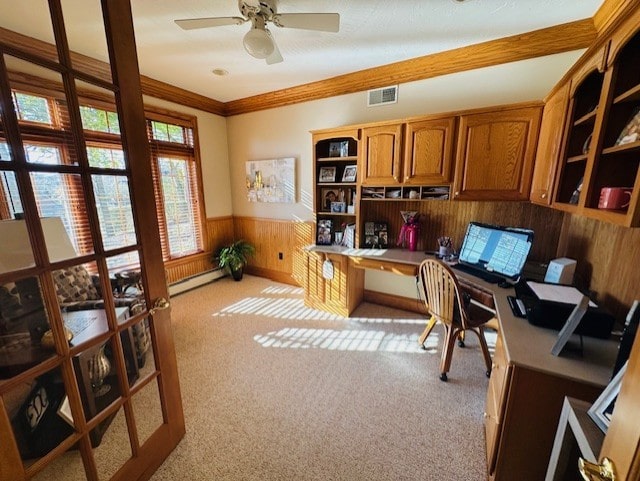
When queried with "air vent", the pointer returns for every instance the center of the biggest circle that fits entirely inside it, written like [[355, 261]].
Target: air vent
[[383, 96]]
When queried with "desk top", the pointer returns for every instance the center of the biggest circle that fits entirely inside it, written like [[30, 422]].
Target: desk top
[[525, 345]]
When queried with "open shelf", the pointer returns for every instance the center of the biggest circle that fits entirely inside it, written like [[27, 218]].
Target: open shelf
[[412, 192]]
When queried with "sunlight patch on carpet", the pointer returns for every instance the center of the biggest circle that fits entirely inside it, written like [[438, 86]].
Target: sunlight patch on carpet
[[294, 308], [345, 340]]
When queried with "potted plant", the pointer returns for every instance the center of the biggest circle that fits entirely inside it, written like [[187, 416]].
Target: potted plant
[[234, 257]]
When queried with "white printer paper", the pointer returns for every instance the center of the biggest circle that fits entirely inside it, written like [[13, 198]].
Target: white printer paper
[[557, 293]]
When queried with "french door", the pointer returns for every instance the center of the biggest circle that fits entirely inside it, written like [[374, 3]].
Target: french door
[[88, 377]]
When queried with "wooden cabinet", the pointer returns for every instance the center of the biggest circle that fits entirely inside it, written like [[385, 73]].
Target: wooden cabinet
[[428, 151], [381, 154], [549, 146], [602, 136], [340, 294], [495, 153], [423, 158], [584, 108]]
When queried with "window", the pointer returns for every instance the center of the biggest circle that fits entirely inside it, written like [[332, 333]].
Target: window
[[174, 169], [32, 108], [176, 188]]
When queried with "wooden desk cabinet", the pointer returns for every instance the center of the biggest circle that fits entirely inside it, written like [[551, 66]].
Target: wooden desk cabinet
[[340, 295], [526, 392]]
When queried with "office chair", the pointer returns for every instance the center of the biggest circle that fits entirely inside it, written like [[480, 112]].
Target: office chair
[[446, 304]]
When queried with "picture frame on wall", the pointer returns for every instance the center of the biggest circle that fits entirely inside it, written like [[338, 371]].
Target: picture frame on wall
[[324, 232], [349, 174], [601, 410], [327, 174]]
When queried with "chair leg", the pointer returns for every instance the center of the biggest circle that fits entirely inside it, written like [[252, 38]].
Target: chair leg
[[485, 349], [427, 330], [461, 339], [447, 351]]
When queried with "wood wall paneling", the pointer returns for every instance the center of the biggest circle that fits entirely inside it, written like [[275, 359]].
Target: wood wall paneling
[[450, 218], [608, 258], [275, 238]]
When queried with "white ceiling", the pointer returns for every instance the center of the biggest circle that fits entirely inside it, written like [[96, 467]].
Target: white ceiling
[[372, 33]]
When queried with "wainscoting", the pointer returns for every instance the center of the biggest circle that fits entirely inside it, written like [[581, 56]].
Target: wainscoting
[[608, 255]]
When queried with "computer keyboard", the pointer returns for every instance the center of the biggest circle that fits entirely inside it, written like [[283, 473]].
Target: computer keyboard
[[486, 276]]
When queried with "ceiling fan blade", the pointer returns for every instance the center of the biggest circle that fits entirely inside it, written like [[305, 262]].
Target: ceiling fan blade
[[193, 23], [324, 22], [276, 56]]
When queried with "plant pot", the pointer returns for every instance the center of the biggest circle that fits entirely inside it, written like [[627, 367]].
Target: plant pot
[[237, 274]]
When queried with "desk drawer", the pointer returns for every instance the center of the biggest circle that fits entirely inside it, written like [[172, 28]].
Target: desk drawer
[[385, 266], [498, 381]]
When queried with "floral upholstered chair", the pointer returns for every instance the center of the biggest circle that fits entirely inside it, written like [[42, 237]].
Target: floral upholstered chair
[[78, 290]]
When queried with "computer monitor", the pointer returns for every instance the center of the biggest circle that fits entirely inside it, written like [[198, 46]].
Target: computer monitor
[[496, 249]]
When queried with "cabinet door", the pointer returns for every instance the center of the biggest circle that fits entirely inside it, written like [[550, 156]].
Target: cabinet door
[[381, 155], [547, 155], [428, 151], [495, 154]]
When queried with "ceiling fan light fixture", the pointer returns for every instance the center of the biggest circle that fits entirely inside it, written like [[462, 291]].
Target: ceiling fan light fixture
[[258, 43]]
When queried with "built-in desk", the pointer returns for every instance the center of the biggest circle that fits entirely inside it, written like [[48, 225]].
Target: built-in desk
[[527, 385]]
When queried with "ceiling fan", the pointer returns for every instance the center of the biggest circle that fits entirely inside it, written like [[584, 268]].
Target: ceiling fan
[[258, 41]]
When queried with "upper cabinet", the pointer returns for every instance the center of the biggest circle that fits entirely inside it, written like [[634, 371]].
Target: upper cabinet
[[381, 154], [428, 156], [549, 145], [495, 154], [424, 158], [598, 174], [579, 142]]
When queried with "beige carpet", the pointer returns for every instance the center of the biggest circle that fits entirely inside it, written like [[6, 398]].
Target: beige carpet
[[275, 391]]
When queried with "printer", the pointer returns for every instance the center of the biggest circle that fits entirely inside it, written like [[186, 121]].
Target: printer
[[548, 305]]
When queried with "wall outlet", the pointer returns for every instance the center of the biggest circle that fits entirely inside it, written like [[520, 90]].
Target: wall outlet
[[280, 256]]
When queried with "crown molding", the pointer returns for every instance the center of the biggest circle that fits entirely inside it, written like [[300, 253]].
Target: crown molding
[[547, 41]]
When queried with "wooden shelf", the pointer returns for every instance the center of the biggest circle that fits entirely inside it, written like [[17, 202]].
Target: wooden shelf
[[577, 158], [585, 119], [350, 158], [622, 148], [630, 95]]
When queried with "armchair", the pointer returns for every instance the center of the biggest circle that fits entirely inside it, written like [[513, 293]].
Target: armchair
[[78, 290]]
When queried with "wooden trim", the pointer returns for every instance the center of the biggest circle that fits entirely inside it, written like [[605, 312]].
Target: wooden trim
[[397, 302], [609, 11], [101, 70], [547, 41], [277, 276], [165, 91]]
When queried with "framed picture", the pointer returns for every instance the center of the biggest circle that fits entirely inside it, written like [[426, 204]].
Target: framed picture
[[324, 232], [338, 207], [329, 196], [349, 174], [602, 408], [570, 326], [339, 149], [376, 235], [327, 174], [631, 131]]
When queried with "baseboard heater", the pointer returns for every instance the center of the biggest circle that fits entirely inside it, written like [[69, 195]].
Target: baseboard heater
[[195, 281]]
